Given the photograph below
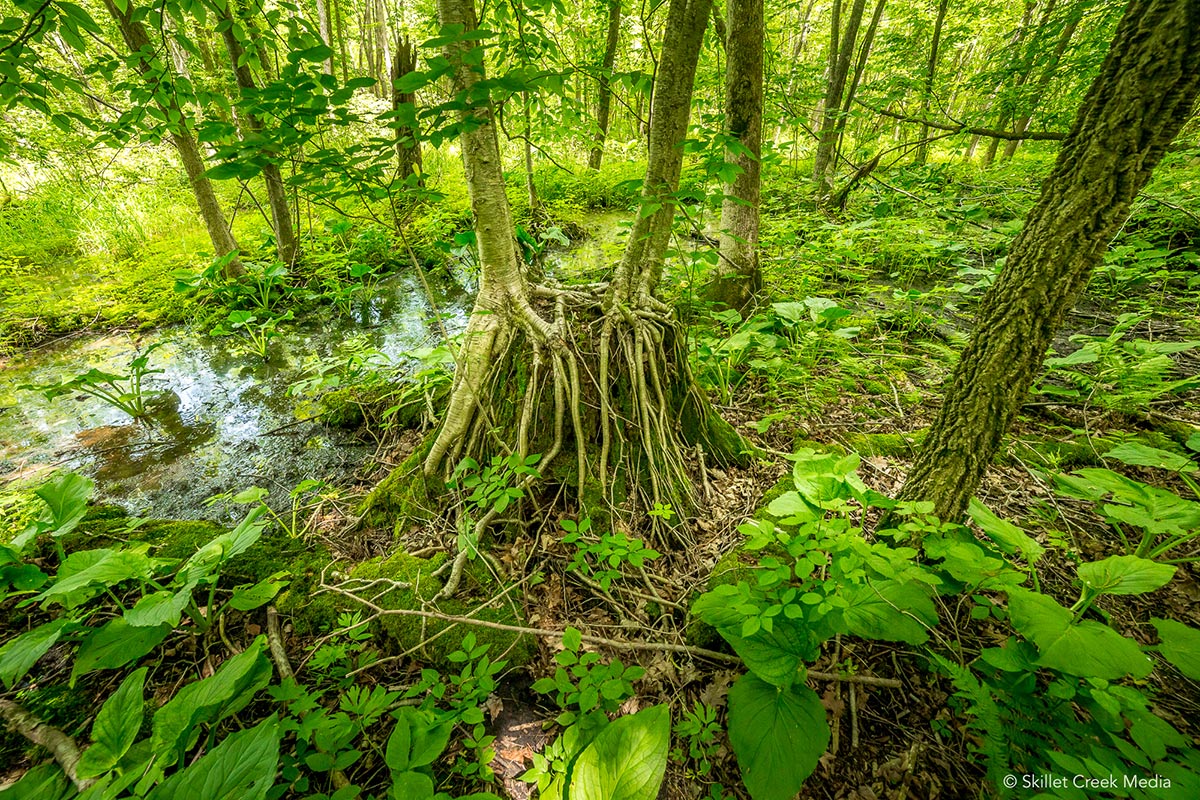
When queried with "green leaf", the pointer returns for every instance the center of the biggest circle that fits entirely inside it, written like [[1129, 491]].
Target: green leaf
[[94, 571], [411, 786], [43, 782], [242, 767], [1180, 645], [416, 741], [247, 598], [116, 644], [206, 701], [890, 610], [159, 608], [116, 727], [1008, 536], [775, 656], [1086, 649], [1139, 455], [1125, 575], [66, 498], [627, 760], [20, 654], [777, 735]]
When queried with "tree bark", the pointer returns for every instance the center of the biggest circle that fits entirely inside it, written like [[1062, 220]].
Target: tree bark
[[138, 42], [286, 244], [408, 147], [1143, 95], [922, 154], [325, 28], [738, 277], [823, 166], [604, 102]]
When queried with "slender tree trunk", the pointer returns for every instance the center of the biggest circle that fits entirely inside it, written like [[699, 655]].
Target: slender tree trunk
[[860, 66], [1143, 95], [326, 30], [823, 164], [794, 65], [339, 33], [286, 244], [922, 154], [138, 42], [1064, 41], [738, 277], [604, 103], [408, 146], [531, 194]]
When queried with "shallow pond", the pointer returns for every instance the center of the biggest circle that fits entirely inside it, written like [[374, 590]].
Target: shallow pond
[[224, 420]]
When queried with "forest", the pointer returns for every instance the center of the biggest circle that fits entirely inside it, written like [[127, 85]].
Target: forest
[[599, 400]]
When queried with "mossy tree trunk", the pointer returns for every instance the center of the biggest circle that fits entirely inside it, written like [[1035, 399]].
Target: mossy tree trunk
[[286, 244], [133, 31], [604, 101], [408, 147], [1143, 95], [738, 277], [600, 366]]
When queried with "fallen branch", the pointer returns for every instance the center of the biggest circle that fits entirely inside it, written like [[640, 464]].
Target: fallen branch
[[615, 644], [60, 745]]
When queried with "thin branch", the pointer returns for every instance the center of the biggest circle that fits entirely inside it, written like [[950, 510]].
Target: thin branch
[[1046, 136]]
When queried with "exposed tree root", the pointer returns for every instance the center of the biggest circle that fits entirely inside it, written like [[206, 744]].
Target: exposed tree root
[[64, 749]]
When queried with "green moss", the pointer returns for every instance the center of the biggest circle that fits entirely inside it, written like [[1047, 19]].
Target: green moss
[[341, 409], [900, 445], [434, 639], [405, 496]]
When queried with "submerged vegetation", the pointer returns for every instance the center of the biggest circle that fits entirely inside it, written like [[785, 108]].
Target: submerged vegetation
[[745, 400]]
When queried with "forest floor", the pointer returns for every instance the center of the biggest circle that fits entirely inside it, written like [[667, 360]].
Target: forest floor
[[866, 312]]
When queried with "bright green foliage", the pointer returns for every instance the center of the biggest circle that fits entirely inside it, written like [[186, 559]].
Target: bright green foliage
[[605, 559], [582, 683], [778, 733], [626, 760], [125, 392]]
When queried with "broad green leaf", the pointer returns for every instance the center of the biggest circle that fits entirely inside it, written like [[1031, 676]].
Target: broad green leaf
[[1125, 575], [411, 786], [21, 653], [1008, 536], [116, 727], [1179, 644], [159, 608], [627, 760], [1086, 649], [206, 701], [43, 782], [417, 740], [209, 558], [247, 598], [116, 644], [791, 504], [242, 767], [777, 735], [890, 610], [1140, 455], [777, 655], [66, 497], [107, 568]]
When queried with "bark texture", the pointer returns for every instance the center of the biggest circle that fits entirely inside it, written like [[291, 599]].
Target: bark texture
[[286, 245], [138, 42], [738, 277], [408, 148], [604, 101], [1143, 95]]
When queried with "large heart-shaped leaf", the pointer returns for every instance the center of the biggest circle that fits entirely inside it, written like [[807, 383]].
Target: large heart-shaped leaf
[[242, 767], [1180, 645], [1086, 649], [890, 610], [777, 735], [627, 760], [1125, 575]]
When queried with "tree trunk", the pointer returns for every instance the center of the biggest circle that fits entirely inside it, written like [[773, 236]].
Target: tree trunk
[[286, 245], [738, 278], [604, 103], [1064, 41], [408, 147], [922, 154], [1144, 93], [860, 66], [823, 165], [794, 66], [138, 42], [326, 30]]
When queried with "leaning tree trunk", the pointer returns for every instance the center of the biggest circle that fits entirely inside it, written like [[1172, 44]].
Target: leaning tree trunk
[[922, 154], [408, 147], [599, 366], [1143, 95], [823, 165], [286, 245], [138, 42], [738, 277], [604, 103], [1064, 41]]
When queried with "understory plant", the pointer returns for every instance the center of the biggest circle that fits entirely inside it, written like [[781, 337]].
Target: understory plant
[[125, 391]]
